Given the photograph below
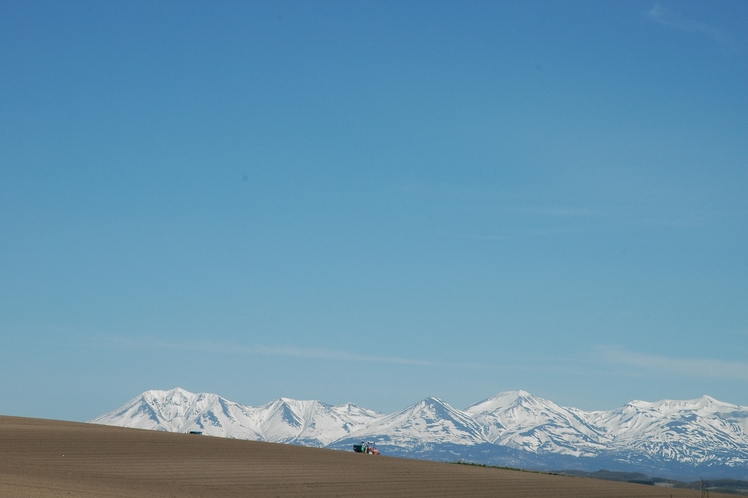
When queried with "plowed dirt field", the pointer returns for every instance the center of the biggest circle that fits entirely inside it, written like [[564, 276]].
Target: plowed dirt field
[[51, 459]]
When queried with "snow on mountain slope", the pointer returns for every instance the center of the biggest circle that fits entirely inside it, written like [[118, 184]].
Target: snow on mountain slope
[[227, 419], [170, 411], [518, 419], [430, 421], [310, 423], [694, 431]]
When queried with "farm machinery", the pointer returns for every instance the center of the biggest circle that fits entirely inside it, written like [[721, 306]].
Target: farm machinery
[[368, 448]]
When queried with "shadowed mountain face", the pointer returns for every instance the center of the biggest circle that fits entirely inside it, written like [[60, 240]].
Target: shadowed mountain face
[[679, 439]]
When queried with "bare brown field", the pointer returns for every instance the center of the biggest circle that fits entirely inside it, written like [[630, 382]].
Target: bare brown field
[[51, 459]]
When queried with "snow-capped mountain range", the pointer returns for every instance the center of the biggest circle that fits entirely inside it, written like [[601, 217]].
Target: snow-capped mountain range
[[681, 439]]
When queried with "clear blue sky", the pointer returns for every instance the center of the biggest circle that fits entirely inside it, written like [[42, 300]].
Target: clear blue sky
[[372, 202]]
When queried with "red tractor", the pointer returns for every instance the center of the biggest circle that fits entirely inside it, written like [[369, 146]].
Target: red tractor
[[366, 447]]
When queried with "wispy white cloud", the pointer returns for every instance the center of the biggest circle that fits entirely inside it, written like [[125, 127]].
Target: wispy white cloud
[[474, 236], [233, 348], [675, 218], [691, 367], [662, 15], [328, 354], [565, 212]]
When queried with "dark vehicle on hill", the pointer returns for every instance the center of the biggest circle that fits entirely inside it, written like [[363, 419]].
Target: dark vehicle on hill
[[366, 447]]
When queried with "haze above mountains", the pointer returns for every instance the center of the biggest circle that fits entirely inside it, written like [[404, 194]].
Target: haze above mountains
[[680, 439]]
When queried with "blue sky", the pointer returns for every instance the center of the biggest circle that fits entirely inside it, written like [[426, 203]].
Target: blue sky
[[372, 202]]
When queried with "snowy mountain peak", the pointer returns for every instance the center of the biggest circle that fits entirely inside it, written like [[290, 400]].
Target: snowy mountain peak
[[284, 420], [705, 405], [431, 402], [170, 410], [503, 400], [426, 422], [520, 420]]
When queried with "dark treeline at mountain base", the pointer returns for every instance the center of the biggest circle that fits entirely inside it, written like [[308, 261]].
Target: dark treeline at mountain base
[[730, 486]]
